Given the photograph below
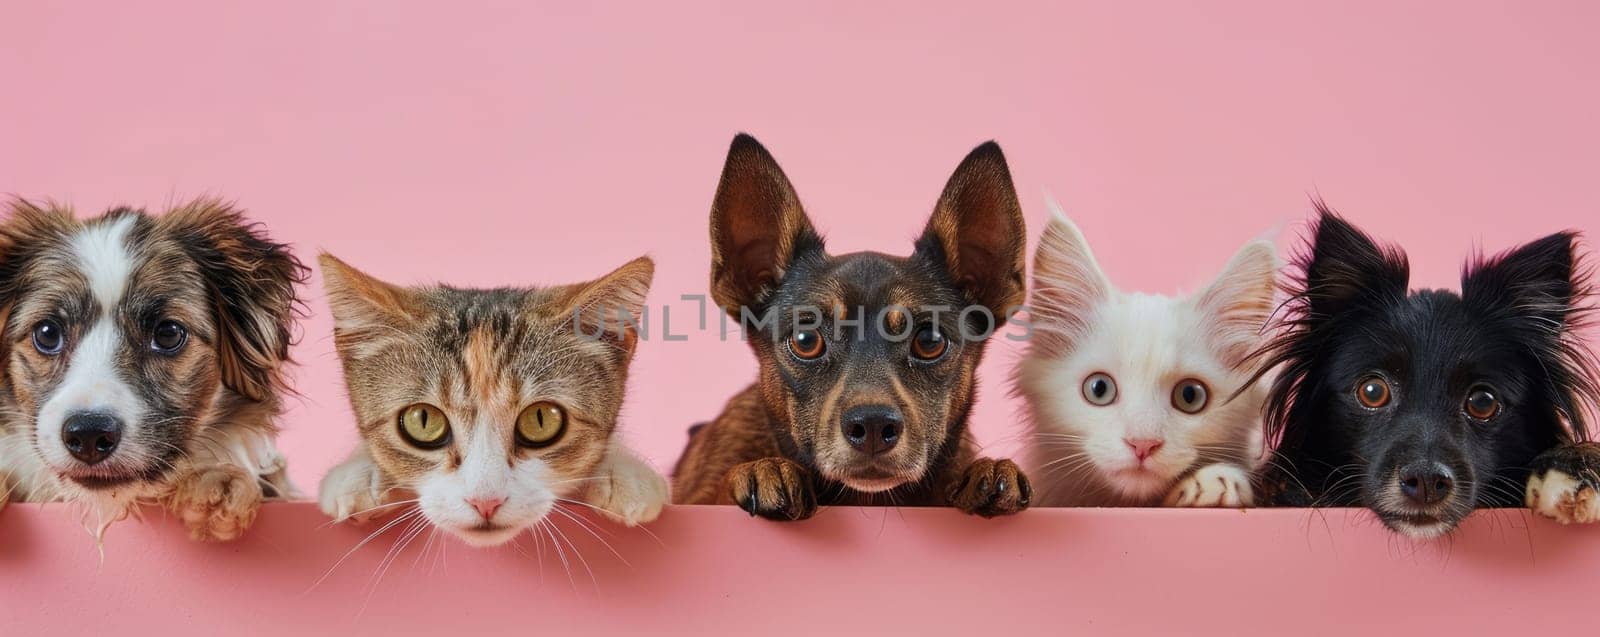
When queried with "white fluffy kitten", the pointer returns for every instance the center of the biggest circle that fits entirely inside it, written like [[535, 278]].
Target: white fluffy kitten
[[1128, 393]]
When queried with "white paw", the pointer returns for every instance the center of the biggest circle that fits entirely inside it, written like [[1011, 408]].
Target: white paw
[[1563, 498], [353, 490], [1216, 485], [630, 491]]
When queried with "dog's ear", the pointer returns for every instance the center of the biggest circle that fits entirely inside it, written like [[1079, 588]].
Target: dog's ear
[[1346, 267], [1540, 293], [251, 282], [1534, 280], [600, 305], [24, 229], [978, 232], [758, 228], [1239, 301], [367, 312], [1067, 285]]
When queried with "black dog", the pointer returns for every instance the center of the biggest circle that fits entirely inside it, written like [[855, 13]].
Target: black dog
[[1425, 405]]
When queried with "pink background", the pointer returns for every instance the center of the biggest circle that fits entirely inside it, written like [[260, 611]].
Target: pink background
[[506, 143]]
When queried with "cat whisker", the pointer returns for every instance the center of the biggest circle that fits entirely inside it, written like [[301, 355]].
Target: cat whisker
[[586, 527], [412, 514]]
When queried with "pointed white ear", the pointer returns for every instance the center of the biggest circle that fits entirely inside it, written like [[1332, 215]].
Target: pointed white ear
[[1067, 284], [1239, 302]]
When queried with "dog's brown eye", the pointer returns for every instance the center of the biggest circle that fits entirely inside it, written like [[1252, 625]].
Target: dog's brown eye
[[425, 426], [1190, 396], [169, 337], [1483, 403], [1100, 389], [1373, 392], [541, 424], [807, 344], [929, 344], [49, 338]]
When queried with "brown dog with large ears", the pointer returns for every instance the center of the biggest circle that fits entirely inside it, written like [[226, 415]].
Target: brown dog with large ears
[[868, 361], [144, 360]]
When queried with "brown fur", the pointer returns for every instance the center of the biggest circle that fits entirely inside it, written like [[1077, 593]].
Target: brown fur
[[777, 449], [201, 264], [483, 356]]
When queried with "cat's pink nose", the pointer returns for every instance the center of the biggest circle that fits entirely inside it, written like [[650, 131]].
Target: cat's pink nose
[[1143, 448], [486, 506]]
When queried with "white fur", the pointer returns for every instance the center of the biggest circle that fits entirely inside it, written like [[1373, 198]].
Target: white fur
[[1148, 344], [525, 486], [633, 491], [92, 382], [1215, 485], [1563, 498], [626, 490]]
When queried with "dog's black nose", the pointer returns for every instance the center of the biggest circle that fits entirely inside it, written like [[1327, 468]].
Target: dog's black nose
[[91, 437], [1427, 484], [873, 429]]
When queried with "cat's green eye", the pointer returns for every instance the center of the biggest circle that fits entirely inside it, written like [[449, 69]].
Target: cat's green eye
[[425, 426], [541, 424]]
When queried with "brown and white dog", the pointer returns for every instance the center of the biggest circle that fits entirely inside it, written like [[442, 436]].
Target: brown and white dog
[[143, 361]]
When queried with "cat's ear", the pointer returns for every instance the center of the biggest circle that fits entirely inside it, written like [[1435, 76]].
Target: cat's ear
[[1239, 302], [1347, 268], [758, 228], [612, 307], [365, 309], [1067, 284], [978, 232]]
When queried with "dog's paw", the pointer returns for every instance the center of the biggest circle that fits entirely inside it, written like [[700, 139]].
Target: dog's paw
[[630, 492], [216, 503], [353, 490], [1564, 484], [773, 488], [1214, 485], [991, 487]]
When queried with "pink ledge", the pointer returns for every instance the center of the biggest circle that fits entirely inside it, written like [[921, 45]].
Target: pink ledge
[[713, 570]]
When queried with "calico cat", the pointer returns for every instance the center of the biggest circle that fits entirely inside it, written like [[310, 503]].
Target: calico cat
[[1130, 396], [484, 409]]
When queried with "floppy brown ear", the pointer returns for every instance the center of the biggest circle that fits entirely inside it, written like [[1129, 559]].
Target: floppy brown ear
[[365, 310], [600, 305], [252, 286], [757, 227], [977, 229], [25, 228]]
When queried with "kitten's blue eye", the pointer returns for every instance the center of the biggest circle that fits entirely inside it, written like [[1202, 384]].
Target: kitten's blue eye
[[49, 338], [1100, 389], [1190, 396]]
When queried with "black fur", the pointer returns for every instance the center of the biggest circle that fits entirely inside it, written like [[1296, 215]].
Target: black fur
[[1512, 329]]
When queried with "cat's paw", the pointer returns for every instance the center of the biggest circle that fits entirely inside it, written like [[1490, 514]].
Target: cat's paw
[[1564, 484], [353, 490], [216, 503], [990, 488], [631, 492], [773, 488], [1214, 485]]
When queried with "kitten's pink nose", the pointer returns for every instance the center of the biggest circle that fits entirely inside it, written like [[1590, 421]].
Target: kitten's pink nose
[[486, 506], [1143, 448]]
